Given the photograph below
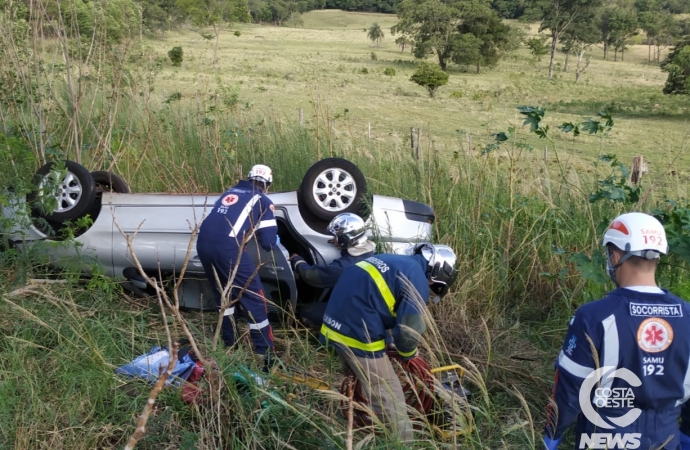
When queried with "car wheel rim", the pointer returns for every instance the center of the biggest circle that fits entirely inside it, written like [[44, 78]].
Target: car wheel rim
[[334, 189], [68, 191]]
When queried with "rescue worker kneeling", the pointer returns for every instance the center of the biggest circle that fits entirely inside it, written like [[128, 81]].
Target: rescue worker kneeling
[[349, 235], [243, 212], [385, 292]]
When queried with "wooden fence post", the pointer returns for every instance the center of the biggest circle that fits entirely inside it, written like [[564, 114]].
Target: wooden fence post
[[639, 168], [301, 117], [546, 153], [412, 140], [369, 130], [419, 142]]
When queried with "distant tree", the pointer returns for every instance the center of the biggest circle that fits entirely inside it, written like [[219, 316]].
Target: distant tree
[[433, 25], [677, 64], [375, 33], [482, 39], [176, 54], [537, 46], [617, 24], [429, 76], [558, 16], [651, 23], [402, 42], [205, 13], [578, 38]]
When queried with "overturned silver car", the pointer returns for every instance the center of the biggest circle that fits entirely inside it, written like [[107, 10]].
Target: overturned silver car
[[160, 228]]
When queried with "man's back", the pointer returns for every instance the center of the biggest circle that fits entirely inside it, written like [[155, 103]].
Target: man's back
[[647, 333], [241, 208]]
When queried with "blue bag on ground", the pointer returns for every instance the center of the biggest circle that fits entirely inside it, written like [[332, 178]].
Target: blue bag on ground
[[150, 365]]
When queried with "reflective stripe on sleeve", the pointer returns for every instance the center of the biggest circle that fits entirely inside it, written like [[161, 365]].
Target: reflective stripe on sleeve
[[572, 367], [407, 354], [239, 223], [258, 326], [267, 223], [686, 386], [334, 336], [381, 284]]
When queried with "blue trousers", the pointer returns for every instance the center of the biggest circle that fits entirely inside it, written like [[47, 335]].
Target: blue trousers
[[219, 261]]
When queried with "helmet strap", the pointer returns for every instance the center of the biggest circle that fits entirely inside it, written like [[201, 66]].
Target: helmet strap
[[611, 268]]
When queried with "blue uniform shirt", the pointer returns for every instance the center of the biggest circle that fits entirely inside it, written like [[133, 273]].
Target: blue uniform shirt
[[241, 209], [326, 276], [380, 293], [646, 333]]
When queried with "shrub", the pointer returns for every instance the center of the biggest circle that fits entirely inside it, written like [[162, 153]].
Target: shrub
[[430, 76], [374, 57], [175, 55], [364, 70], [237, 33], [456, 94], [389, 71]]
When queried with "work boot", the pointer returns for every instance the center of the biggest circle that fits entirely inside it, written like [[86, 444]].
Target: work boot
[[270, 360]]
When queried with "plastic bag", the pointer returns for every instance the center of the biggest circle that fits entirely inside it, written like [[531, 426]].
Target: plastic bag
[[150, 365]]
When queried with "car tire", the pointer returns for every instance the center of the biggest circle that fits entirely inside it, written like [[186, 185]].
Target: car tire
[[76, 192], [333, 186], [109, 182]]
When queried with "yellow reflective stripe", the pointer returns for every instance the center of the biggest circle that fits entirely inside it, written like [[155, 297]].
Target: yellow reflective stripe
[[350, 342], [381, 284], [407, 354]]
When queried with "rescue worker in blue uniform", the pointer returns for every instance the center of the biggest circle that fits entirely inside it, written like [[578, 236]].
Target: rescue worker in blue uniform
[[349, 235], [242, 213], [624, 371], [381, 293]]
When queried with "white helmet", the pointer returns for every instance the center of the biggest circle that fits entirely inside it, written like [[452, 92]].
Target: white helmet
[[261, 173], [441, 269], [636, 234], [348, 229]]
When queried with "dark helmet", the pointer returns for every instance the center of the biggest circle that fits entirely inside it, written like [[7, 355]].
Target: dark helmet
[[348, 229], [440, 268]]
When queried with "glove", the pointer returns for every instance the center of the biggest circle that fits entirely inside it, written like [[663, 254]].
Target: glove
[[684, 441], [277, 240], [296, 260], [552, 444]]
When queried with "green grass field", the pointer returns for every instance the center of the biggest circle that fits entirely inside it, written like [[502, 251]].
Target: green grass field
[[279, 70]]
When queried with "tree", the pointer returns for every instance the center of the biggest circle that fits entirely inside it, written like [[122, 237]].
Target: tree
[[433, 25], [617, 24], [402, 42], [375, 33], [578, 38], [537, 46], [176, 54], [430, 76], [677, 64], [651, 23], [205, 13], [558, 16], [482, 38]]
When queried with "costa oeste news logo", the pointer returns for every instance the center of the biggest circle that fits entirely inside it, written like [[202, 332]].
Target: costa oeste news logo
[[605, 397]]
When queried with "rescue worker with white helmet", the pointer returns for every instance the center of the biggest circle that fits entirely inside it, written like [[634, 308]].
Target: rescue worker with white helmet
[[624, 370], [242, 213], [350, 236], [385, 293]]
